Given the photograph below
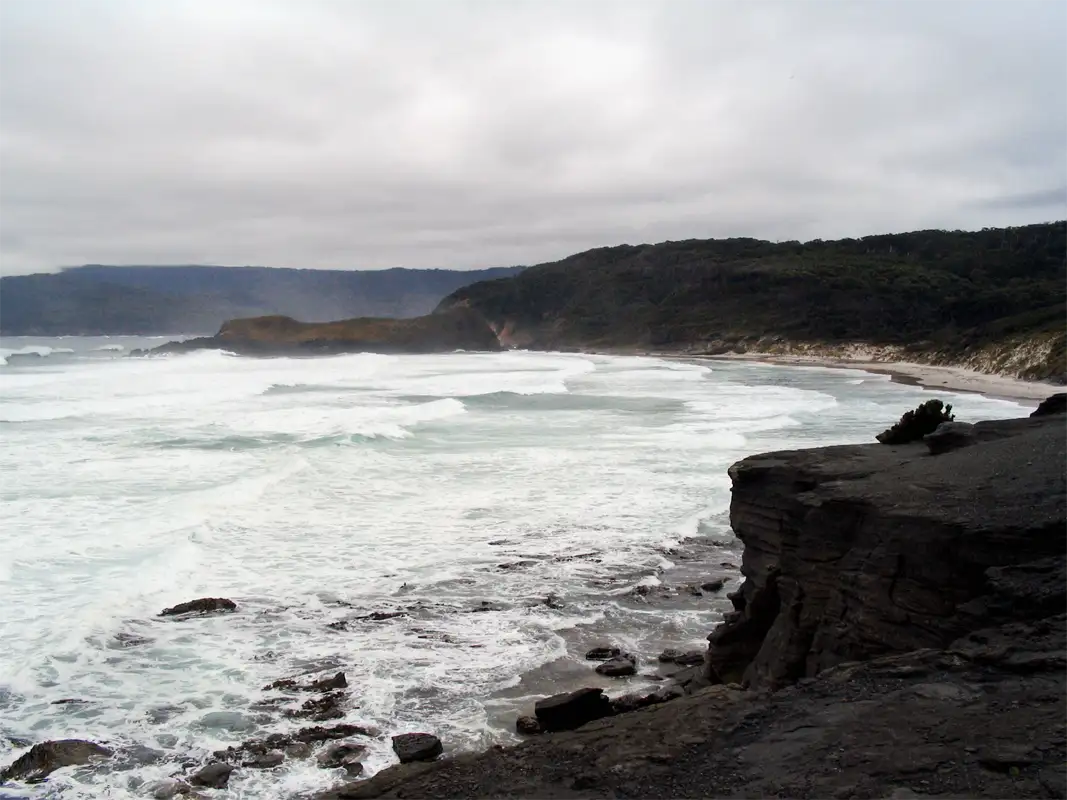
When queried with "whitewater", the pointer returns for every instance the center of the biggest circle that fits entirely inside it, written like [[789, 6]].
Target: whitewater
[[506, 505]]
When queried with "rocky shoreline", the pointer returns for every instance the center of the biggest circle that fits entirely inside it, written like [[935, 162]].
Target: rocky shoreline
[[900, 631]]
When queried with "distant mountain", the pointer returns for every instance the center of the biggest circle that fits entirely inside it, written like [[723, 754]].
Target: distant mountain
[[98, 299], [994, 299]]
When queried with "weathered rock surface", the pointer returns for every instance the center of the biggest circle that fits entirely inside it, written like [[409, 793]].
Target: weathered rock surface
[[204, 605], [45, 758], [213, 776], [858, 551], [950, 436], [564, 712], [348, 755], [416, 747], [618, 667]]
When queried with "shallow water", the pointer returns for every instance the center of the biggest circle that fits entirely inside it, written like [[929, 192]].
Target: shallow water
[[314, 491]]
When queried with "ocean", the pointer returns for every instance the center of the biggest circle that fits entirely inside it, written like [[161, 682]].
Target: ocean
[[513, 508]]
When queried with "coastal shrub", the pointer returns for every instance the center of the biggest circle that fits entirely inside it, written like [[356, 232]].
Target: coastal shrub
[[914, 425]]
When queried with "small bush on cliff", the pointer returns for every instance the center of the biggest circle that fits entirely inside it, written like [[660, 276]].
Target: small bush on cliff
[[914, 425]]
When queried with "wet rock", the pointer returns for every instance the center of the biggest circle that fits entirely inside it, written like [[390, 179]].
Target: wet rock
[[213, 776], [338, 681], [631, 702], [45, 758], [347, 755], [416, 747], [298, 750], [950, 436], [516, 565], [124, 640], [603, 653], [140, 755], [571, 710], [714, 585], [1053, 404], [381, 616], [668, 656], [168, 788], [321, 709], [268, 760], [1003, 756], [690, 658], [70, 701], [527, 726], [205, 605], [553, 601], [322, 734], [622, 666], [485, 605]]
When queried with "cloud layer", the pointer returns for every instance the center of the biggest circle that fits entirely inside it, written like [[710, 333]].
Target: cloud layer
[[468, 134]]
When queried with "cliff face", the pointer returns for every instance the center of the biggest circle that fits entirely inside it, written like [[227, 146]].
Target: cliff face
[[457, 329], [857, 551]]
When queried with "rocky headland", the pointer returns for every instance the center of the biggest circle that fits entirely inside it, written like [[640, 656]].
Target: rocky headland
[[900, 632], [443, 332]]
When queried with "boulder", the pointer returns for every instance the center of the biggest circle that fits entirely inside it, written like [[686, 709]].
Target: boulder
[[571, 710], [622, 666], [45, 758], [668, 656], [267, 760], [347, 755], [714, 585], [603, 653], [950, 436], [527, 726], [213, 776], [168, 788], [416, 747], [1053, 404], [205, 605]]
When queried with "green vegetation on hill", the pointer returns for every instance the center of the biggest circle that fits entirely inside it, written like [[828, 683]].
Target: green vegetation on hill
[[946, 291]]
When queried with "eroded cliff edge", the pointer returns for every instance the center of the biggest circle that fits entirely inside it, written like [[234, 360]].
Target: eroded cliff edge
[[901, 629]]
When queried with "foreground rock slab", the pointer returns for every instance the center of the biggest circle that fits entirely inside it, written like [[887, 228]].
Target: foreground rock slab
[[983, 718], [45, 758]]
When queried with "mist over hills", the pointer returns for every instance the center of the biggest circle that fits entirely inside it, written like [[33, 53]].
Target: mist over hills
[[97, 299]]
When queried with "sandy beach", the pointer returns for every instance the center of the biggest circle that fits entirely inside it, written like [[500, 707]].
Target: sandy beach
[[954, 379]]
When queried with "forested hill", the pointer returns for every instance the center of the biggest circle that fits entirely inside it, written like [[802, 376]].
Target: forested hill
[[943, 291], [198, 299]]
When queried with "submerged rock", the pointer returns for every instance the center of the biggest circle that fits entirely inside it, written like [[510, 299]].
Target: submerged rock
[[622, 666], [321, 709], [213, 776], [348, 755], [603, 653], [205, 605], [528, 726], [563, 712], [45, 758], [416, 747], [714, 585]]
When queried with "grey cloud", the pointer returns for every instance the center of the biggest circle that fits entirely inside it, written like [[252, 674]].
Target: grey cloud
[[467, 134]]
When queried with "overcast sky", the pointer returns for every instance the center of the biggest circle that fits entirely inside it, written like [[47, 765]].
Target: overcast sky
[[469, 134]]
